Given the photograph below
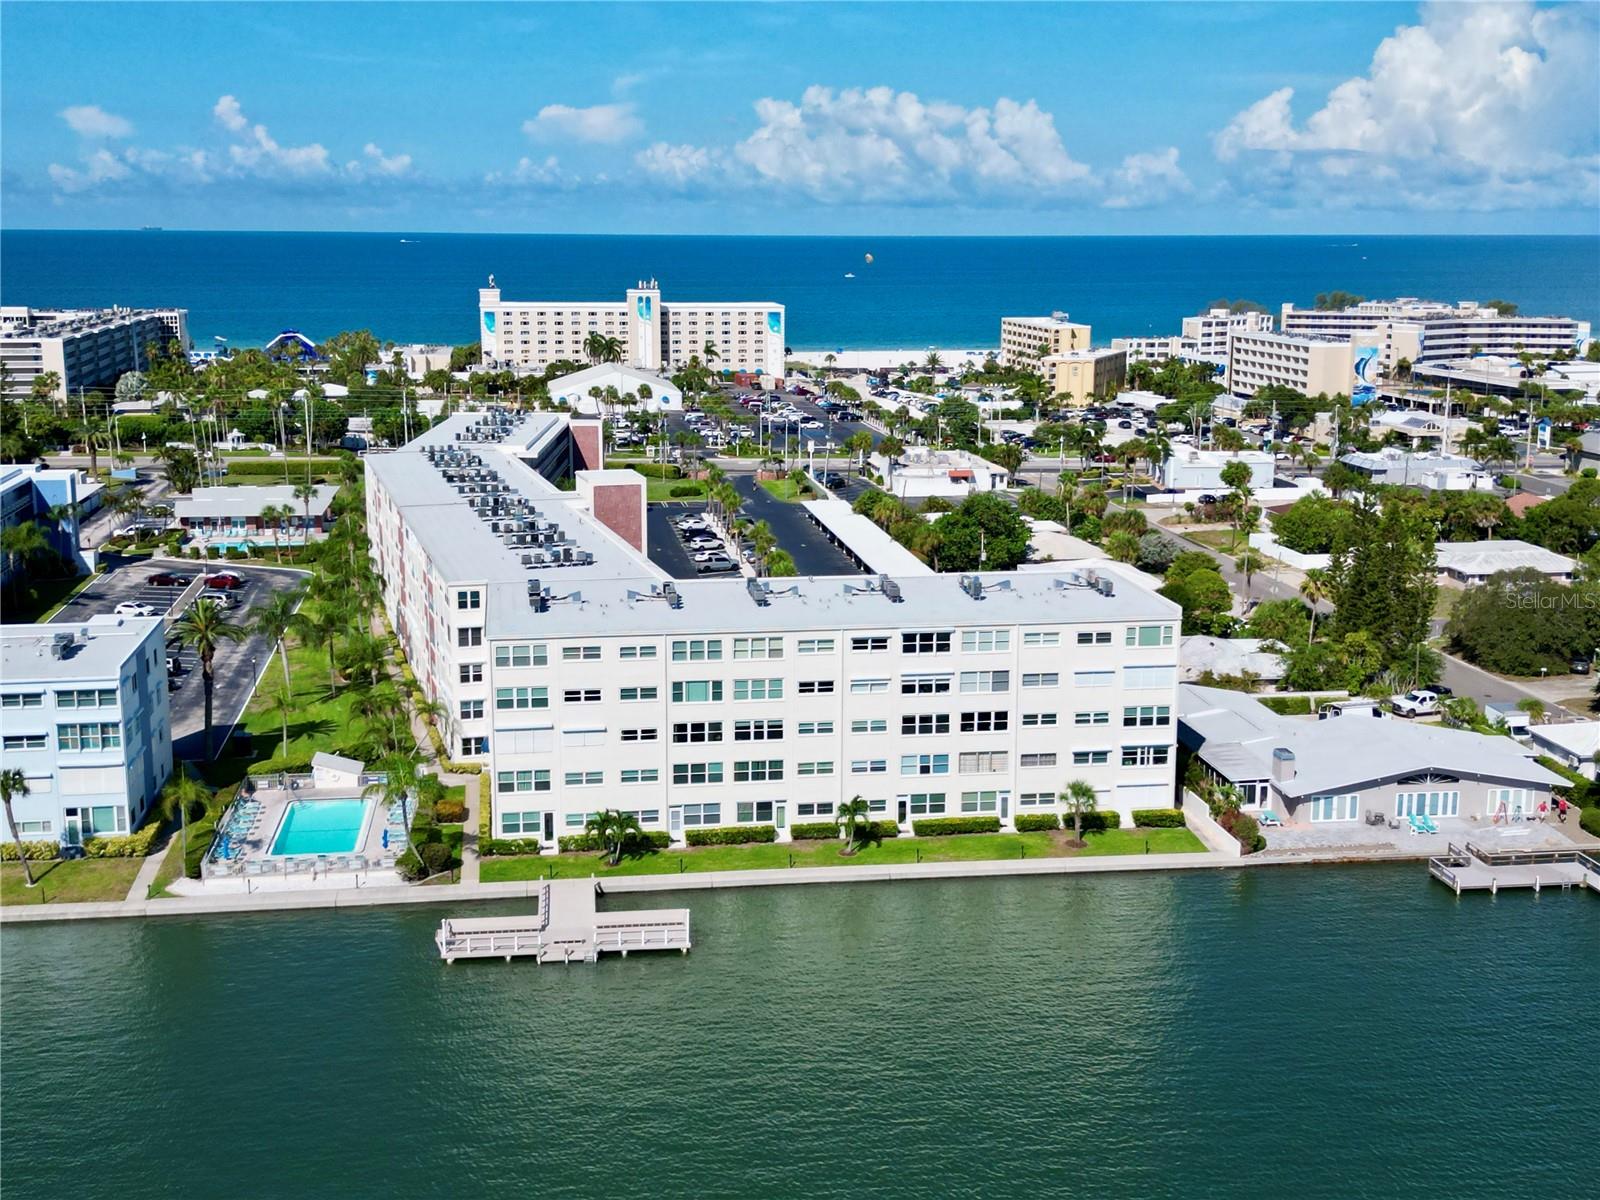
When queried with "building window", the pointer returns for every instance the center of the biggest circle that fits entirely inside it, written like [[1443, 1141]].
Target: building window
[[702, 814], [869, 766], [466, 600], [1035, 799], [980, 802], [757, 770], [926, 643], [580, 653], [1146, 715], [1041, 679], [997, 721], [1149, 677], [985, 641], [924, 685], [982, 762], [584, 778], [985, 681], [1041, 637], [22, 700], [520, 822], [89, 736], [633, 694], [1091, 718], [814, 768], [757, 648], [869, 725], [757, 731], [817, 687], [1090, 758], [469, 635], [1094, 637], [925, 764], [1145, 756], [868, 687], [1148, 635], [924, 804], [521, 697], [1039, 760], [1406, 804], [697, 650], [521, 654], [629, 653], [521, 781], [816, 646], [697, 691], [813, 728], [474, 745], [640, 735], [27, 741], [85, 698], [758, 689], [581, 696], [873, 644], [472, 710], [686, 774], [747, 811], [1094, 679], [470, 673], [696, 731], [919, 724], [821, 808]]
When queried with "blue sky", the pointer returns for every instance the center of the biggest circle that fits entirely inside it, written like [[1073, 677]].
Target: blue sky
[[1058, 119]]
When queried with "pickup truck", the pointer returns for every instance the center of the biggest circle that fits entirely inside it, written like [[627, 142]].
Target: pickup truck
[[1420, 703]]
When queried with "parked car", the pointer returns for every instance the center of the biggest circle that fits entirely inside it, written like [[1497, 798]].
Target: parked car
[[831, 479], [169, 579], [1419, 703], [132, 608], [703, 543], [226, 580], [1580, 666], [218, 597], [700, 556], [174, 665], [714, 566]]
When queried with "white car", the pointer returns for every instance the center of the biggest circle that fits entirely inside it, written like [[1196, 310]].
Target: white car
[[703, 543], [132, 608], [1420, 703], [701, 556]]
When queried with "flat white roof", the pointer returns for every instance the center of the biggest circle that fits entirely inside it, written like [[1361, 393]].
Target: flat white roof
[[248, 500], [94, 649], [1486, 558], [869, 543]]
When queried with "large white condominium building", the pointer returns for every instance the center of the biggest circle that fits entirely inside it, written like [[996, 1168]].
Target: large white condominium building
[[654, 336], [1025, 341], [1205, 336], [1428, 331], [583, 678], [85, 348], [85, 720], [1310, 365], [1149, 349]]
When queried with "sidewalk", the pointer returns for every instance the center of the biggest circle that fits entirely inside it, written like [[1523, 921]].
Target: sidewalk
[[148, 870]]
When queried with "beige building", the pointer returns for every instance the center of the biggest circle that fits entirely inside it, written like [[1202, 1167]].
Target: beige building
[[1080, 375], [655, 336], [1309, 365], [1024, 341], [1428, 331]]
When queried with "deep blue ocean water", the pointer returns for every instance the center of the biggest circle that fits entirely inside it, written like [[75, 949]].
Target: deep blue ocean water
[[917, 292]]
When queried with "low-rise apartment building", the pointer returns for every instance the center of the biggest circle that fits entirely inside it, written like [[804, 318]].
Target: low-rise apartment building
[[1079, 376], [1310, 365], [1025, 341], [654, 336], [84, 348], [83, 709], [583, 678]]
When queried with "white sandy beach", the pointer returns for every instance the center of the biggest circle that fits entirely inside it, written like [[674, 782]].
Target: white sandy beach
[[862, 360]]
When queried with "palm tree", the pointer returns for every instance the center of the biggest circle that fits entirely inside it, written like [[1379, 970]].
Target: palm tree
[[829, 359], [399, 786], [305, 493], [709, 351], [204, 628], [1314, 587], [1123, 546], [271, 516], [780, 564], [1248, 563], [852, 814], [273, 622], [932, 362], [1079, 799], [613, 830], [281, 702], [22, 543], [180, 794], [14, 784]]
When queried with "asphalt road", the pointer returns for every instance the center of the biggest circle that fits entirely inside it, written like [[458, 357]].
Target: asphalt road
[[810, 548], [237, 665]]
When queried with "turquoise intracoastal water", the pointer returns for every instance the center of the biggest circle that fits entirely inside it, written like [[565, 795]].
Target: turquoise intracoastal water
[[917, 292], [1279, 1032]]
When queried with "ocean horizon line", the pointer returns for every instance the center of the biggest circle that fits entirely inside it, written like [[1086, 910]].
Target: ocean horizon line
[[888, 237]]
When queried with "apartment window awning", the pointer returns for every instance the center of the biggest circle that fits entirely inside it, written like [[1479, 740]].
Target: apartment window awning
[[961, 473]]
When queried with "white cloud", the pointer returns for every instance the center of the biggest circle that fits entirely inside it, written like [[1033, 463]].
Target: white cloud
[[229, 114], [598, 123], [546, 173], [678, 166], [1479, 106], [92, 121], [384, 164], [1146, 179], [99, 167], [258, 152]]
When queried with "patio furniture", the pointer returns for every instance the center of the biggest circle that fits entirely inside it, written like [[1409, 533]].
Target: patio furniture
[[1374, 817], [1269, 819], [1416, 823], [1427, 824]]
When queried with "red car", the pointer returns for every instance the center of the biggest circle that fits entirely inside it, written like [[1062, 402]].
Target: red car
[[225, 580], [168, 579]]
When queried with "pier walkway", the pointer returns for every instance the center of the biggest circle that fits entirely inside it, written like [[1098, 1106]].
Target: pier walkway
[[565, 927], [1474, 869]]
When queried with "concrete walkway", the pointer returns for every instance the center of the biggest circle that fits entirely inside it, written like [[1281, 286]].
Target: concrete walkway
[[140, 888], [469, 830]]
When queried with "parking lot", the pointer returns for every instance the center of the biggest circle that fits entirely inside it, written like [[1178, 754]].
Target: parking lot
[[668, 548], [237, 664]]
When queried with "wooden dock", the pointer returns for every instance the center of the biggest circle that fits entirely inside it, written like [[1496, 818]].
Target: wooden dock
[[565, 928], [1474, 869]]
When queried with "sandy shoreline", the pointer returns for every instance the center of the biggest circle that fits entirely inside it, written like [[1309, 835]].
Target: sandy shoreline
[[859, 360]]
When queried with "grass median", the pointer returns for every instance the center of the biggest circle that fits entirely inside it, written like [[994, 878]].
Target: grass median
[[977, 847]]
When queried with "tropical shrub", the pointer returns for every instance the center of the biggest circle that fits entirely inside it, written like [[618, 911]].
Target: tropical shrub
[[437, 857], [510, 847], [1094, 822], [1158, 818], [731, 835], [945, 826], [1244, 828], [450, 812], [1037, 822], [34, 851], [656, 839], [686, 489], [814, 831], [875, 831], [133, 845], [410, 867], [274, 467], [1589, 820]]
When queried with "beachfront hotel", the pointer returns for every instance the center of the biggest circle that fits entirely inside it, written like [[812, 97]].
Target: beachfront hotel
[[1024, 341], [1311, 365], [655, 336], [86, 722], [1204, 337], [85, 348], [582, 677], [1426, 331]]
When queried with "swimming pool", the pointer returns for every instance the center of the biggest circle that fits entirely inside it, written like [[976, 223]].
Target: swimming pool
[[321, 827]]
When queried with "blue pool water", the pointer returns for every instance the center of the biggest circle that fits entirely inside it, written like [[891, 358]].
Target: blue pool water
[[321, 827]]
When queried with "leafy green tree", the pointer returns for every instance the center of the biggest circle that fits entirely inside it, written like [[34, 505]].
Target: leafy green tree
[[1383, 581], [1519, 621], [1122, 546], [1156, 553], [984, 533], [1312, 524], [1204, 596]]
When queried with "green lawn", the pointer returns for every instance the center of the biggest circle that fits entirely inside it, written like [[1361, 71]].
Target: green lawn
[[1218, 539], [80, 880], [787, 489], [41, 599], [319, 721], [958, 848], [657, 490], [200, 836]]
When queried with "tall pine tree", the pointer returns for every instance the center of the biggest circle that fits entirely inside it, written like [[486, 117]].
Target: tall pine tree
[[1383, 579]]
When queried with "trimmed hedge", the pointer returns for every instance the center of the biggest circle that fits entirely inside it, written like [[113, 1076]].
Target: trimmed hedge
[[1589, 820], [133, 845], [945, 826], [684, 490], [274, 467], [437, 858], [507, 847], [1094, 822], [1158, 818], [34, 851], [731, 835], [1037, 822], [655, 838], [450, 812], [648, 469], [815, 831], [867, 831]]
